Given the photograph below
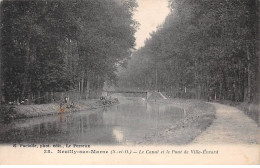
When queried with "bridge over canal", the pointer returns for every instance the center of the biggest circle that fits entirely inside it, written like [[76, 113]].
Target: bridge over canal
[[144, 94]]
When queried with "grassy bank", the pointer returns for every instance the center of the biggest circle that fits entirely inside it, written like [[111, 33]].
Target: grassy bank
[[9, 112], [199, 116]]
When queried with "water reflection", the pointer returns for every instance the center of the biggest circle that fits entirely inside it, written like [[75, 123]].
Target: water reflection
[[129, 121], [118, 134]]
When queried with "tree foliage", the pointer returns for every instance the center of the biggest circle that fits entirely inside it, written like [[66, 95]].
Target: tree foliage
[[50, 46], [204, 49]]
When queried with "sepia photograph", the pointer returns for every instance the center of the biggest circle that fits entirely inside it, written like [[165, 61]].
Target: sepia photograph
[[129, 81]]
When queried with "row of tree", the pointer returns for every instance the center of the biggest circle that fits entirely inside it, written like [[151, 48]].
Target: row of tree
[[204, 49], [56, 46]]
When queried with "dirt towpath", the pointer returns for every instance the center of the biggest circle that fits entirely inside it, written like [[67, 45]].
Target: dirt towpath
[[230, 126]]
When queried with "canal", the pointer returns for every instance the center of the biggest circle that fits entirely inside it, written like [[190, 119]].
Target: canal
[[129, 122]]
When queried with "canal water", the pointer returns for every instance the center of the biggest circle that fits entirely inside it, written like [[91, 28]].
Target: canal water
[[127, 123]]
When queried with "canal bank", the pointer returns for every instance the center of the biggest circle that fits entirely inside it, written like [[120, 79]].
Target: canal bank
[[10, 112], [199, 115]]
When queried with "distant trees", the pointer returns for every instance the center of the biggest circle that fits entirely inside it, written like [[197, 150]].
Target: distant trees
[[52, 46], [205, 48]]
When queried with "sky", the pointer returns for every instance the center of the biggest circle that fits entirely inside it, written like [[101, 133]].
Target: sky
[[149, 14]]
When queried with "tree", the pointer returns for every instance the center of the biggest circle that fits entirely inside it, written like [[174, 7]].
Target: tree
[[206, 47], [54, 46]]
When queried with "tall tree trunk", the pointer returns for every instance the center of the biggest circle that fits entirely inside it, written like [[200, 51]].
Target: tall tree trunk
[[258, 79], [1, 77], [38, 97], [248, 75], [258, 56], [245, 84], [88, 88], [196, 86], [156, 77], [224, 89], [82, 83]]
